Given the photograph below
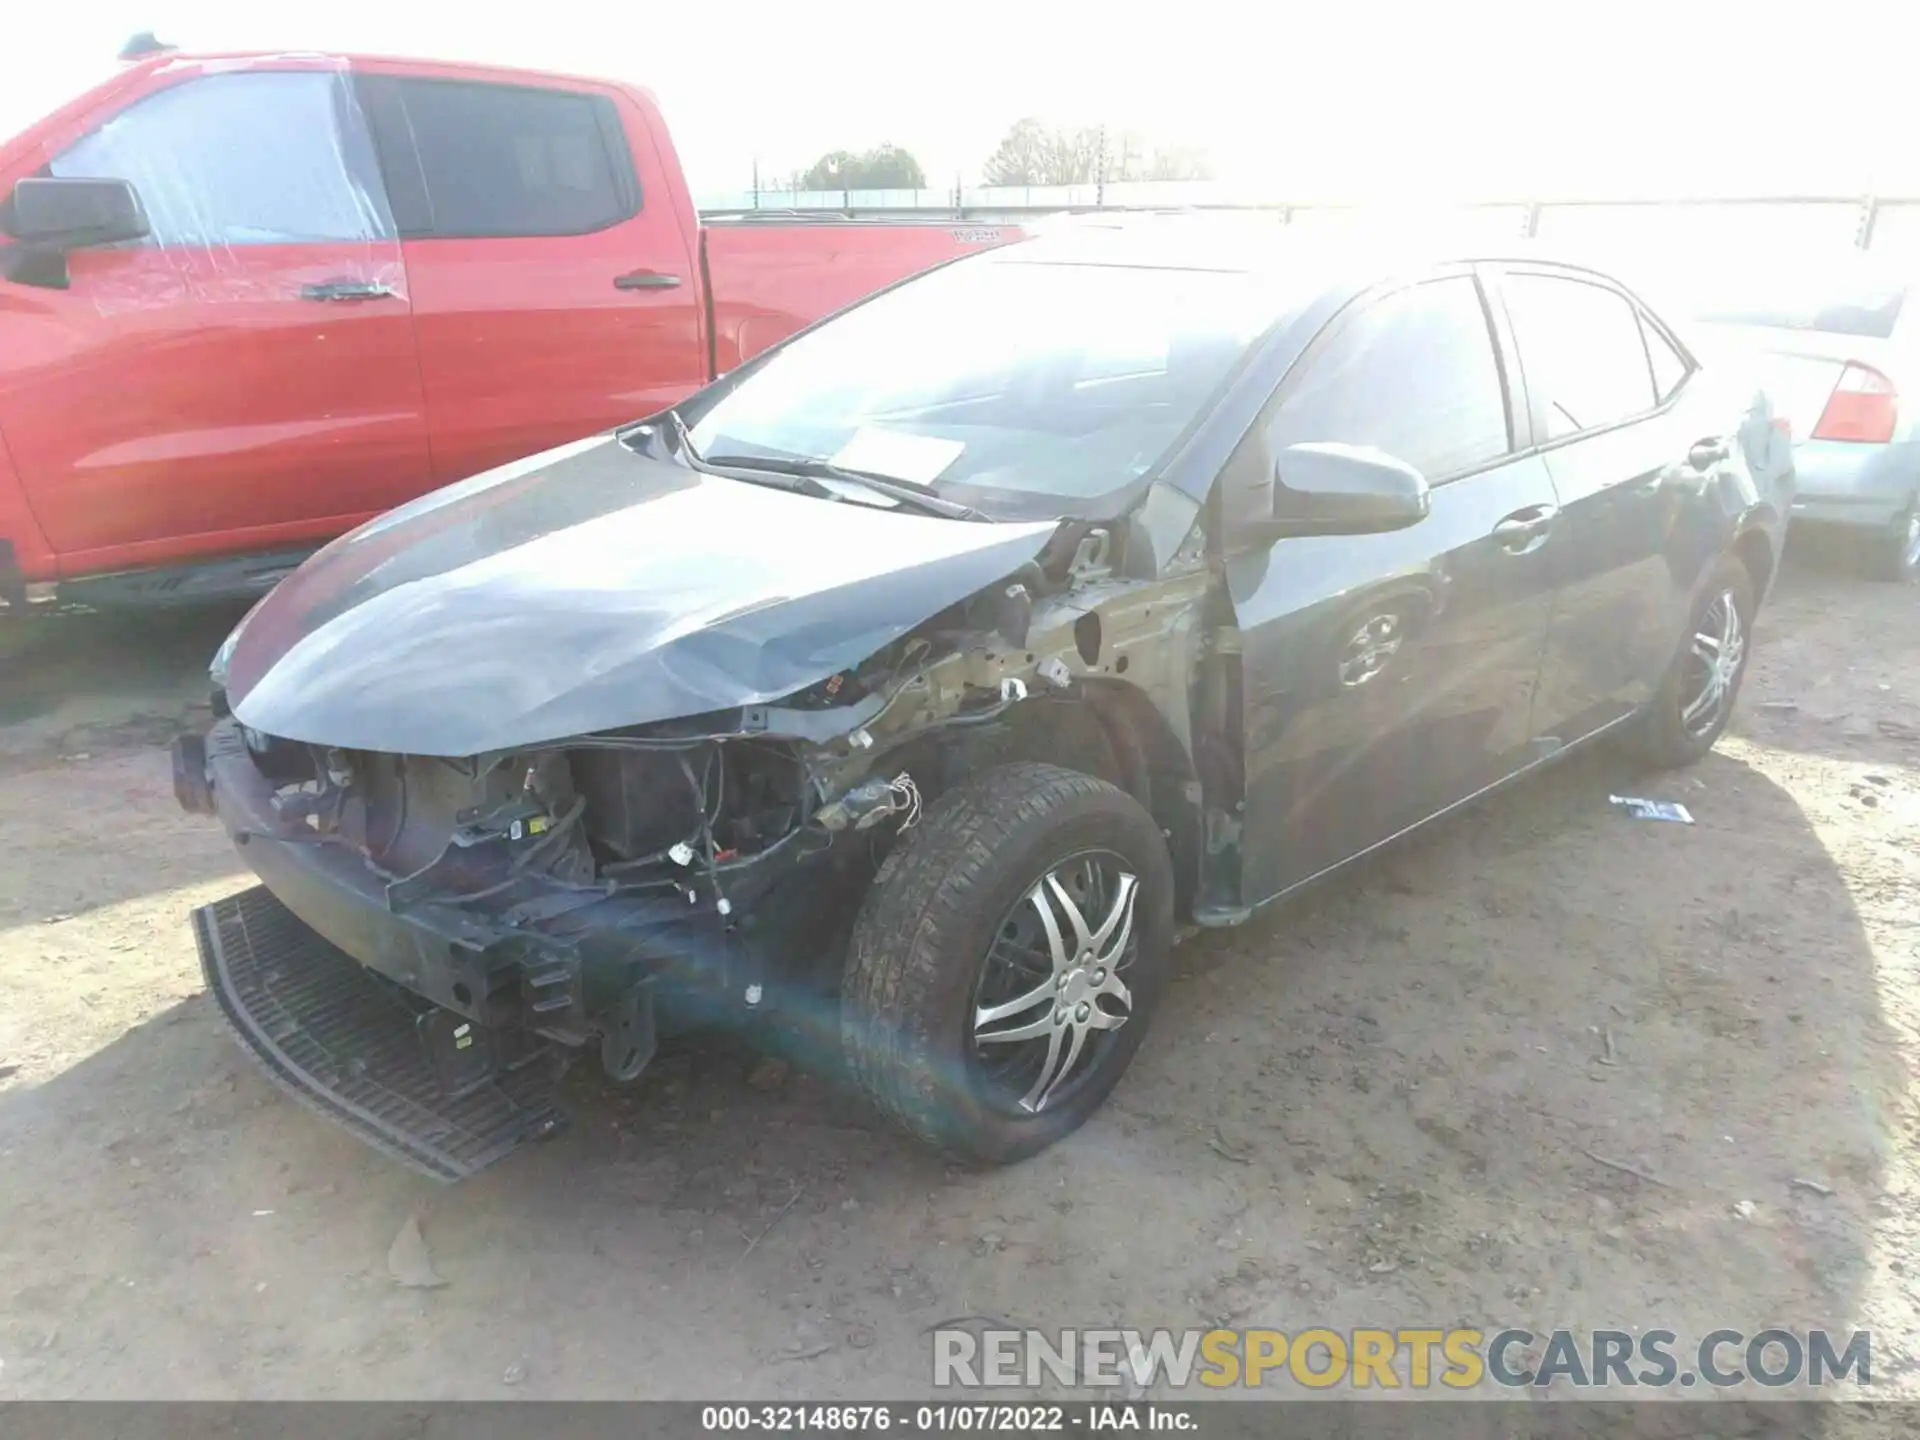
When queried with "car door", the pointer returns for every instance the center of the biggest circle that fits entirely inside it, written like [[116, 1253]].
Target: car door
[[1622, 452], [554, 291], [1386, 677], [243, 377]]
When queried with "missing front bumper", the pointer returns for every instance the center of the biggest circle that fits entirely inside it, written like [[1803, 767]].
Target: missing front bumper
[[365, 1054]]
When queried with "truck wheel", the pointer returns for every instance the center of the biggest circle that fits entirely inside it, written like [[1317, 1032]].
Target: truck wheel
[[1696, 698], [1006, 960], [1895, 555]]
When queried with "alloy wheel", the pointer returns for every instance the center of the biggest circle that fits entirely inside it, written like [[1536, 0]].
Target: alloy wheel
[[1714, 657], [1051, 992]]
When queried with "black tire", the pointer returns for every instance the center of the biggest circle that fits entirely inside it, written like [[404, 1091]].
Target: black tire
[[1660, 735], [1894, 554], [922, 942]]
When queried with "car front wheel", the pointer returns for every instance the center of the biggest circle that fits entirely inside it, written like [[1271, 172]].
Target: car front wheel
[[1005, 962]]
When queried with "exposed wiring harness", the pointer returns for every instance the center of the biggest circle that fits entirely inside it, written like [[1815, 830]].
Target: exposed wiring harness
[[709, 848], [517, 866], [902, 788]]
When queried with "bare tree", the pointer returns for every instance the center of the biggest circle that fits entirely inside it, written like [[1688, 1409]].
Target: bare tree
[[1032, 153], [1077, 155], [1024, 156], [1126, 153], [1178, 163]]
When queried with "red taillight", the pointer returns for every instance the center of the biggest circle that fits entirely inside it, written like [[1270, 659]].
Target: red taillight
[[1863, 406]]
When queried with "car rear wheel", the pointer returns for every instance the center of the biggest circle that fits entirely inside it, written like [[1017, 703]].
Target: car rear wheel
[[1005, 962], [1696, 697], [1896, 550]]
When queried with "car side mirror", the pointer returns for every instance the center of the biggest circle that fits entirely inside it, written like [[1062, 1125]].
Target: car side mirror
[[1329, 489], [50, 217]]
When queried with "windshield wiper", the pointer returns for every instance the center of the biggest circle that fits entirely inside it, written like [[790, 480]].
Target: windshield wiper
[[919, 497], [682, 439]]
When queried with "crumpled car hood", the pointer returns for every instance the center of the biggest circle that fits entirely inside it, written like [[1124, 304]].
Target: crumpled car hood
[[587, 589]]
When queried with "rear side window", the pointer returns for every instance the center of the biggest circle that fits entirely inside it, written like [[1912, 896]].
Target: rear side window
[[466, 159], [1412, 374], [249, 158], [1582, 350]]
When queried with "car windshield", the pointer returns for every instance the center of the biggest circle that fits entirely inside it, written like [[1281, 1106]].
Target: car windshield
[[1027, 389]]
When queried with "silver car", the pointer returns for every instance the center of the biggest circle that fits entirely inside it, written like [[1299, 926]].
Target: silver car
[[1836, 344]]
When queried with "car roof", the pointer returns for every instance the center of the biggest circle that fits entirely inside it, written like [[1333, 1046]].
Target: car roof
[[1303, 262]]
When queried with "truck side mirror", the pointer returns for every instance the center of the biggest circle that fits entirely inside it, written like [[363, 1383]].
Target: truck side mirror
[[52, 214], [50, 217], [1328, 489]]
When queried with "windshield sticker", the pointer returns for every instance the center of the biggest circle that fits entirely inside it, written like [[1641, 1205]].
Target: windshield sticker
[[918, 459]]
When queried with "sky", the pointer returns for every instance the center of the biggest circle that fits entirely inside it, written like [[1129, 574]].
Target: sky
[[1349, 99]]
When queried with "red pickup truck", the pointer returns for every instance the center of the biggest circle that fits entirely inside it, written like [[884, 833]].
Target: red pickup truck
[[248, 301]]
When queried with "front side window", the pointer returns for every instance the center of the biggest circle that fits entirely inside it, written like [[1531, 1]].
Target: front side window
[[1582, 351], [1413, 374], [248, 158], [500, 160], [1031, 388]]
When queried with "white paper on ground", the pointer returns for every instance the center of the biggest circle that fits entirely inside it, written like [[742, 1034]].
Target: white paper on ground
[[1641, 809]]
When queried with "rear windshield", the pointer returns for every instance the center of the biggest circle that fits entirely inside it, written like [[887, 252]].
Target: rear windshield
[[1843, 305]]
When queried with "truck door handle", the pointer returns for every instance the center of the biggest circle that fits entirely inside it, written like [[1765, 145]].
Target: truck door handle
[[1524, 529], [645, 280], [1707, 453], [347, 290]]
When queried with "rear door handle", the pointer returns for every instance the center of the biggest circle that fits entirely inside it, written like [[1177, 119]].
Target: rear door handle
[[645, 280], [1707, 453], [347, 290], [1523, 530]]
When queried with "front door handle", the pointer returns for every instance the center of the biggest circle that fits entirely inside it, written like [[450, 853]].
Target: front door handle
[[1523, 530], [1707, 453], [645, 280], [347, 290]]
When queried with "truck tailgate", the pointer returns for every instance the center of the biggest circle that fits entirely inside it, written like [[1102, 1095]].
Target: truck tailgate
[[770, 278]]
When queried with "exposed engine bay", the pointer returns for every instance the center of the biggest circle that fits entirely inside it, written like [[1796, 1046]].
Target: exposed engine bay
[[608, 888]]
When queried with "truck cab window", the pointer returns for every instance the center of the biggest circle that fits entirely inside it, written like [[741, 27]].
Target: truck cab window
[[249, 158], [502, 160]]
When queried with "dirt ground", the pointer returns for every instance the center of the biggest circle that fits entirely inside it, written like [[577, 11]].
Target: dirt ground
[[1380, 1105]]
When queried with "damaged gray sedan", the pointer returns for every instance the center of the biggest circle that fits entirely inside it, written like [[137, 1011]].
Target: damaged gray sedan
[[898, 695]]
